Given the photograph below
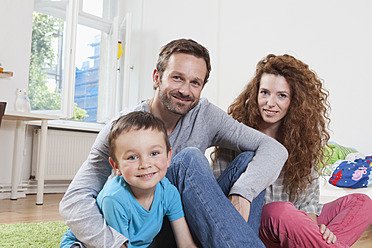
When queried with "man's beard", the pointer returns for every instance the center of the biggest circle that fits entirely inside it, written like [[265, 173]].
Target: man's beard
[[175, 107]]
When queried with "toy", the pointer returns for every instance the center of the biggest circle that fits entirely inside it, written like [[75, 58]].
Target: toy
[[22, 103]]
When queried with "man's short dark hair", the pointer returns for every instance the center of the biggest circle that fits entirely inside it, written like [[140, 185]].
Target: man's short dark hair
[[186, 46]]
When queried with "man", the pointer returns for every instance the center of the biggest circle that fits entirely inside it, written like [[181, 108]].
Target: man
[[215, 220]]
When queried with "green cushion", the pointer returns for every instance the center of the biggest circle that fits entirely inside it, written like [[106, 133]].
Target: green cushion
[[339, 152]]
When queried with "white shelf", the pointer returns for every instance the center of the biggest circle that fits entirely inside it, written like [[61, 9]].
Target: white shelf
[[6, 74], [27, 116]]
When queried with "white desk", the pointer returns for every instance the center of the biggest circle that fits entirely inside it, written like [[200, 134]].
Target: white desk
[[19, 140]]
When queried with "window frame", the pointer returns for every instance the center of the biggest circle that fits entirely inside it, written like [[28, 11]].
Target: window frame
[[72, 12]]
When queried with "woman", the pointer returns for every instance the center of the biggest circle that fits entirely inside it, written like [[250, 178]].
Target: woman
[[286, 100]]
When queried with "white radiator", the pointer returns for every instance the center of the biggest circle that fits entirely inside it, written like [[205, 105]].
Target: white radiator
[[66, 152]]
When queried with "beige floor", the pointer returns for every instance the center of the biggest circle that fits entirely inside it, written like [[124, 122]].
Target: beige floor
[[25, 210]]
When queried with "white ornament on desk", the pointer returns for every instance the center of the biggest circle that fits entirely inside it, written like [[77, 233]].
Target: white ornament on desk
[[22, 102]]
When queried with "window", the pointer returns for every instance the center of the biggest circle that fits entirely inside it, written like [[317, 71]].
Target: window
[[72, 59], [87, 72], [93, 7], [45, 78]]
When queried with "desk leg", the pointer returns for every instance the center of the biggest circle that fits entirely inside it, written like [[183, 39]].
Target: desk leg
[[42, 161], [19, 141]]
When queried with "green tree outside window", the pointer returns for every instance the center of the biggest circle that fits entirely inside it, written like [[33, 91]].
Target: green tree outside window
[[45, 54]]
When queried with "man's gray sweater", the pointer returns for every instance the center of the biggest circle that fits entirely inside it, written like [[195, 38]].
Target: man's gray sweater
[[204, 126]]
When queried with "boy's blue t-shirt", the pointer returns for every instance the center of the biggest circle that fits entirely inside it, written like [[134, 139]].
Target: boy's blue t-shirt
[[126, 215]]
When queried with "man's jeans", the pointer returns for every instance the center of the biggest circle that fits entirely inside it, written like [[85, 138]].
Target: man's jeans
[[213, 220]]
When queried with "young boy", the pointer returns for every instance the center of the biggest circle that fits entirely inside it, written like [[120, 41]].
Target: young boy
[[135, 201]]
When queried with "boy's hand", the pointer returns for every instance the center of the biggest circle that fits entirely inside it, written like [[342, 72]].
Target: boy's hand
[[328, 236], [242, 205]]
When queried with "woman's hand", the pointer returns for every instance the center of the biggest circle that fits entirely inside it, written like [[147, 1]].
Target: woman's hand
[[328, 236]]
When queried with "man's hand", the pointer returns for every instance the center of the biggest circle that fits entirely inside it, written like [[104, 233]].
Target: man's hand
[[328, 236], [241, 204]]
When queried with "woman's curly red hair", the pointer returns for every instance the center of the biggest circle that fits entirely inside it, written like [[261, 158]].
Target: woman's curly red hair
[[304, 129]]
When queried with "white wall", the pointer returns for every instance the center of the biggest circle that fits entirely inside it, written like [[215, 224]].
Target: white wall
[[157, 23], [15, 49], [333, 37]]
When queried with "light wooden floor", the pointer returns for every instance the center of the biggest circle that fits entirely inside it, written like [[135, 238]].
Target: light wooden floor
[[25, 210]]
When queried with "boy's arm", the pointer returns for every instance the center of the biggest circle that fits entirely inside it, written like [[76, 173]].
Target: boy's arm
[[115, 215], [182, 233], [78, 206], [176, 215]]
